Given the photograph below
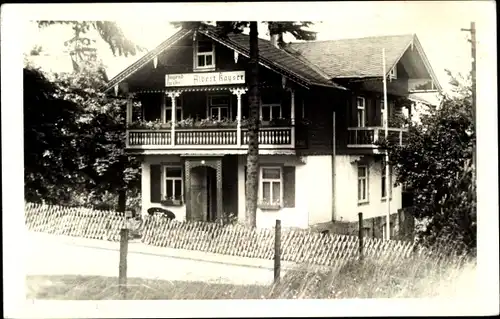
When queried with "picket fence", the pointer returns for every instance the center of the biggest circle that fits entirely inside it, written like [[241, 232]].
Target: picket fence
[[73, 221], [299, 246]]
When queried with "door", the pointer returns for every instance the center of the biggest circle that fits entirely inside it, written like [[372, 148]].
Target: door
[[203, 198], [198, 198]]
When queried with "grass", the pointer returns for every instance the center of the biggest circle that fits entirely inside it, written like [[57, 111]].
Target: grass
[[371, 279], [106, 288]]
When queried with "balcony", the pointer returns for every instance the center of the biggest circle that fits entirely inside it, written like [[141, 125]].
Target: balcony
[[209, 138], [368, 137]]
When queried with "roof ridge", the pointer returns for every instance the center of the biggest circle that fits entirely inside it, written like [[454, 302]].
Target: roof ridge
[[356, 38]]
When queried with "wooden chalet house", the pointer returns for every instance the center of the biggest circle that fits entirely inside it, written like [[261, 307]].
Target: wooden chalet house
[[321, 117]]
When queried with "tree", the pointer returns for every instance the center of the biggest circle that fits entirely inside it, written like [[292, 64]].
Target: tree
[[74, 139], [50, 133], [82, 51], [435, 164], [109, 31]]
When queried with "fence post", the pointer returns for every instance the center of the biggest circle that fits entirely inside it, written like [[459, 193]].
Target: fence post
[[277, 251], [122, 268], [360, 235]]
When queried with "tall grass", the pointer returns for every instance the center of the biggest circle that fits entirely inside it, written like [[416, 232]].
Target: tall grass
[[372, 278], [407, 278]]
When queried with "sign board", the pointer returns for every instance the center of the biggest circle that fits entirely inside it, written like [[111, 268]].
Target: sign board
[[205, 78]]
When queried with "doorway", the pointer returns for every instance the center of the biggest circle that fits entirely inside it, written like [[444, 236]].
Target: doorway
[[203, 194]]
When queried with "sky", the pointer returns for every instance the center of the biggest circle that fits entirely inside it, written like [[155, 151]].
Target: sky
[[437, 25]]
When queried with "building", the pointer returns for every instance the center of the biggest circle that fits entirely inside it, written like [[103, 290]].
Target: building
[[321, 115]]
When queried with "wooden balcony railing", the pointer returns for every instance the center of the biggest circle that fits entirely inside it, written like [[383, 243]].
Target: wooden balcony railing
[[148, 137], [368, 137], [273, 135], [206, 137], [217, 138]]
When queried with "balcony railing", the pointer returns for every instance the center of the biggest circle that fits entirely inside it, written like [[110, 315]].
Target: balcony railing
[[216, 138], [368, 137]]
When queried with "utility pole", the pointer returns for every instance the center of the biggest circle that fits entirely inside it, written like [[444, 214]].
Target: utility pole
[[472, 40], [386, 134]]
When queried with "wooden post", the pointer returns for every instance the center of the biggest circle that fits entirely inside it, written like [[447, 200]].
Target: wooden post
[[238, 92], [122, 270], [173, 95], [360, 235], [277, 251]]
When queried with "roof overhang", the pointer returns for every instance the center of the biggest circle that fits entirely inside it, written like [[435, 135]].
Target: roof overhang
[[415, 44], [150, 56], [271, 65]]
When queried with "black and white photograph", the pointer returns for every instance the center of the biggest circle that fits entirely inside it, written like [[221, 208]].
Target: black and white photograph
[[320, 159]]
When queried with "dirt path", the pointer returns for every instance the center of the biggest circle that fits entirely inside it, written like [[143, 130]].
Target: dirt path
[[48, 256]]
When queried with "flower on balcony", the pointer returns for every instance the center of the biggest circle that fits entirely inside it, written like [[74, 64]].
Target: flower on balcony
[[206, 123], [185, 123], [150, 125], [244, 122]]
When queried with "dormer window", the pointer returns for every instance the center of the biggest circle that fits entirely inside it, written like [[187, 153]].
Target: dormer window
[[204, 55]]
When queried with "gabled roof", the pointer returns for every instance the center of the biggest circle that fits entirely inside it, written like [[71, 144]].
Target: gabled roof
[[359, 57], [269, 56], [148, 57], [351, 58], [308, 63]]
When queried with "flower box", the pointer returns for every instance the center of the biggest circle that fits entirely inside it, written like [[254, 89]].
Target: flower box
[[172, 202], [265, 206]]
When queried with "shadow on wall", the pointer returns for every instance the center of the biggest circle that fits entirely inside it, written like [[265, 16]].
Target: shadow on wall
[[402, 226]]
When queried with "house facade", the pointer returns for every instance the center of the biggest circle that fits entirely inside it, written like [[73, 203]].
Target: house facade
[[320, 121]]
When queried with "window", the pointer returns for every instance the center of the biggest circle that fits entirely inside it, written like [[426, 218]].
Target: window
[[219, 107], [393, 73], [271, 186], [270, 111], [178, 109], [173, 188], [383, 180], [270, 107], [205, 55], [360, 101], [362, 184]]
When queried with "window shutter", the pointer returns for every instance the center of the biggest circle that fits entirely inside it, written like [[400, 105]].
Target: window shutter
[[155, 183], [369, 103], [289, 186], [378, 112], [354, 112]]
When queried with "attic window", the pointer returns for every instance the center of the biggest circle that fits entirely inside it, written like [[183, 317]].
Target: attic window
[[393, 73], [204, 55]]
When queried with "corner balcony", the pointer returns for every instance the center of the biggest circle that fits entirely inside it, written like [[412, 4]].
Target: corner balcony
[[368, 137]]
